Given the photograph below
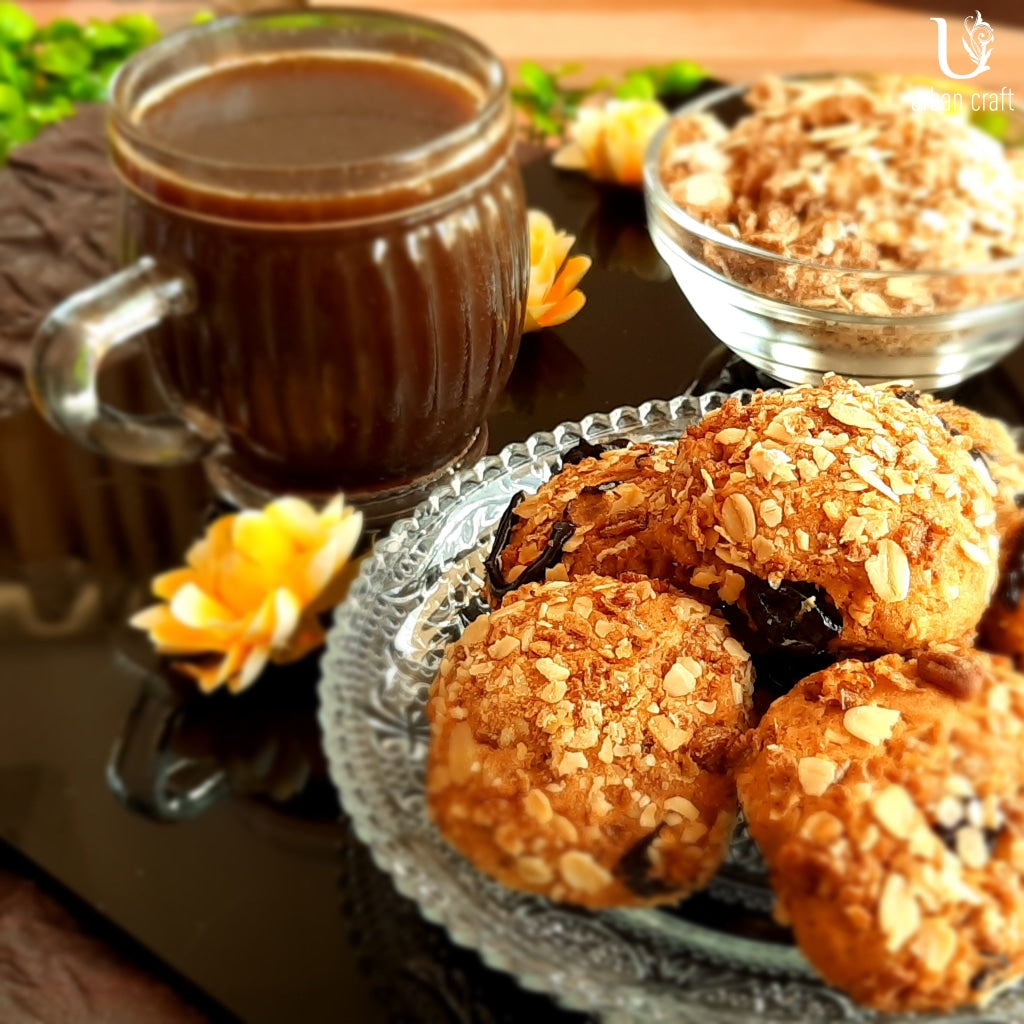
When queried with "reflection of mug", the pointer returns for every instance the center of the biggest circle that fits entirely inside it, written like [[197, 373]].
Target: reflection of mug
[[325, 229], [180, 751]]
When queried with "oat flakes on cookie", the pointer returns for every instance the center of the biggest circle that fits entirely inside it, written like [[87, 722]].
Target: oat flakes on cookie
[[888, 800], [1002, 627], [991, 442], [595, 515], [859, 496], [581, 737]]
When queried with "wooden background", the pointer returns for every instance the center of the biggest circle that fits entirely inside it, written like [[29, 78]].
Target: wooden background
[[734, 40]]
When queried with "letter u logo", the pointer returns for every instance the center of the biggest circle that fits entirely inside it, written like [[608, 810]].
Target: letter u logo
[[977, 41]]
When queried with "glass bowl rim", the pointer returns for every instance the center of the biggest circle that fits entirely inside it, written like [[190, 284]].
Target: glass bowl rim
[[657, 195]]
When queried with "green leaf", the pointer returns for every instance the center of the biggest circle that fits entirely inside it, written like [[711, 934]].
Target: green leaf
[[90, 87], [141, 29], [42, 114], [16, 26], [639, 85], [545, 123], [17, 129], [680, 77], [108, 69], [11, 103], [101, 35], [61, 30], [539, 82], [11, 70], [203, 17], [45, 71], [992, 122], [63, 58]]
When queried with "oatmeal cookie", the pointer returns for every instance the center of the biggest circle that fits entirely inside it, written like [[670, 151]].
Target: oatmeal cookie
[[581, 741], [1002, 628], [848, 495], [992, 443], [888, 800], [598, 514]]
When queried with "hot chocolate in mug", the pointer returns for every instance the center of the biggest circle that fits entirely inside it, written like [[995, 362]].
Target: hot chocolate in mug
[[324, 233]]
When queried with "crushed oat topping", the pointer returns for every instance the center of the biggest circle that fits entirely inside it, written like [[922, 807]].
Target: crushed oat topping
[[902, 877], [843, 172], [859, 516], [580, 720]]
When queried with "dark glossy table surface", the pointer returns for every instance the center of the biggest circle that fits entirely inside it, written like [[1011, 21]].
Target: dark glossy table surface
[[264, 902]]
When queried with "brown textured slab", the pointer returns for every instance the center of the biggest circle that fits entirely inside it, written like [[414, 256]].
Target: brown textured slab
[[52, 971], [57, 210]]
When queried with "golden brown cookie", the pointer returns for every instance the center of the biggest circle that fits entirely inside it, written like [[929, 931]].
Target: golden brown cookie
[[1002, 627], [595, 515], [581, 737], [852, 490], [991, 442], [888, 800]]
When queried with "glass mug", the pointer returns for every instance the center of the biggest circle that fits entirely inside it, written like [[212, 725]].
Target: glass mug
[[316, 323]]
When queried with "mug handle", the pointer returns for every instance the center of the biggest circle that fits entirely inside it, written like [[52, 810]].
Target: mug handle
[[67, 354], [145, 773]]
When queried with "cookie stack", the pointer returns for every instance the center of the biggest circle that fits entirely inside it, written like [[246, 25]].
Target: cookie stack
[[825, 555]]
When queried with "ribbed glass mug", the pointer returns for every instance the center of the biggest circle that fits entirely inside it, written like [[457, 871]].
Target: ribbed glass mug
[[314, 327]]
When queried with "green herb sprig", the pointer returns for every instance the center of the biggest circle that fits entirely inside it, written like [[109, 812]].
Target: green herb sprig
[[45, 71], [549, 104]]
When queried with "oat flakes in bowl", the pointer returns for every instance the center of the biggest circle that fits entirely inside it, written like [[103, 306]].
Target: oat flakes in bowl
[[821, 224]]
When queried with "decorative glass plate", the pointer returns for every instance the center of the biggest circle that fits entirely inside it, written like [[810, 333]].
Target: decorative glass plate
[[414, 595]]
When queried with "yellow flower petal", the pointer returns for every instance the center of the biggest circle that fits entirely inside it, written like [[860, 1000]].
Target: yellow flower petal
[[334, 593], [571, 157], [168, 635], [252, 588], [197, 609], [207, 676], [571, 275], [559, 312], [347, 533], [231, 664], [287, 613], [242, 584], [213, 545], [260, 539], [308, 636], [334, 510], [167, 584], [149, 617], [253, 665], [297, 518], [321, 568], [262, 623], [609, 142], [553, 277]]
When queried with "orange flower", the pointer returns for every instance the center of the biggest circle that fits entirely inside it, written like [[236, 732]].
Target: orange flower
[[252, 588], [553, 297], [608, 142]]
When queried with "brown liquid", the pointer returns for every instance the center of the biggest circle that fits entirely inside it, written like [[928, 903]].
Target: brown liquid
[[351, 337], [309, 110]]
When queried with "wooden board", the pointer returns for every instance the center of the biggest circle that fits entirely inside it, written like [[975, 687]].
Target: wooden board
[[735, 40]]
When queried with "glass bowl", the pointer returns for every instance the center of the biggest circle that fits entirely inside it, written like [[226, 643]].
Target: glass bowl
[[715, 959], [750, 298]]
